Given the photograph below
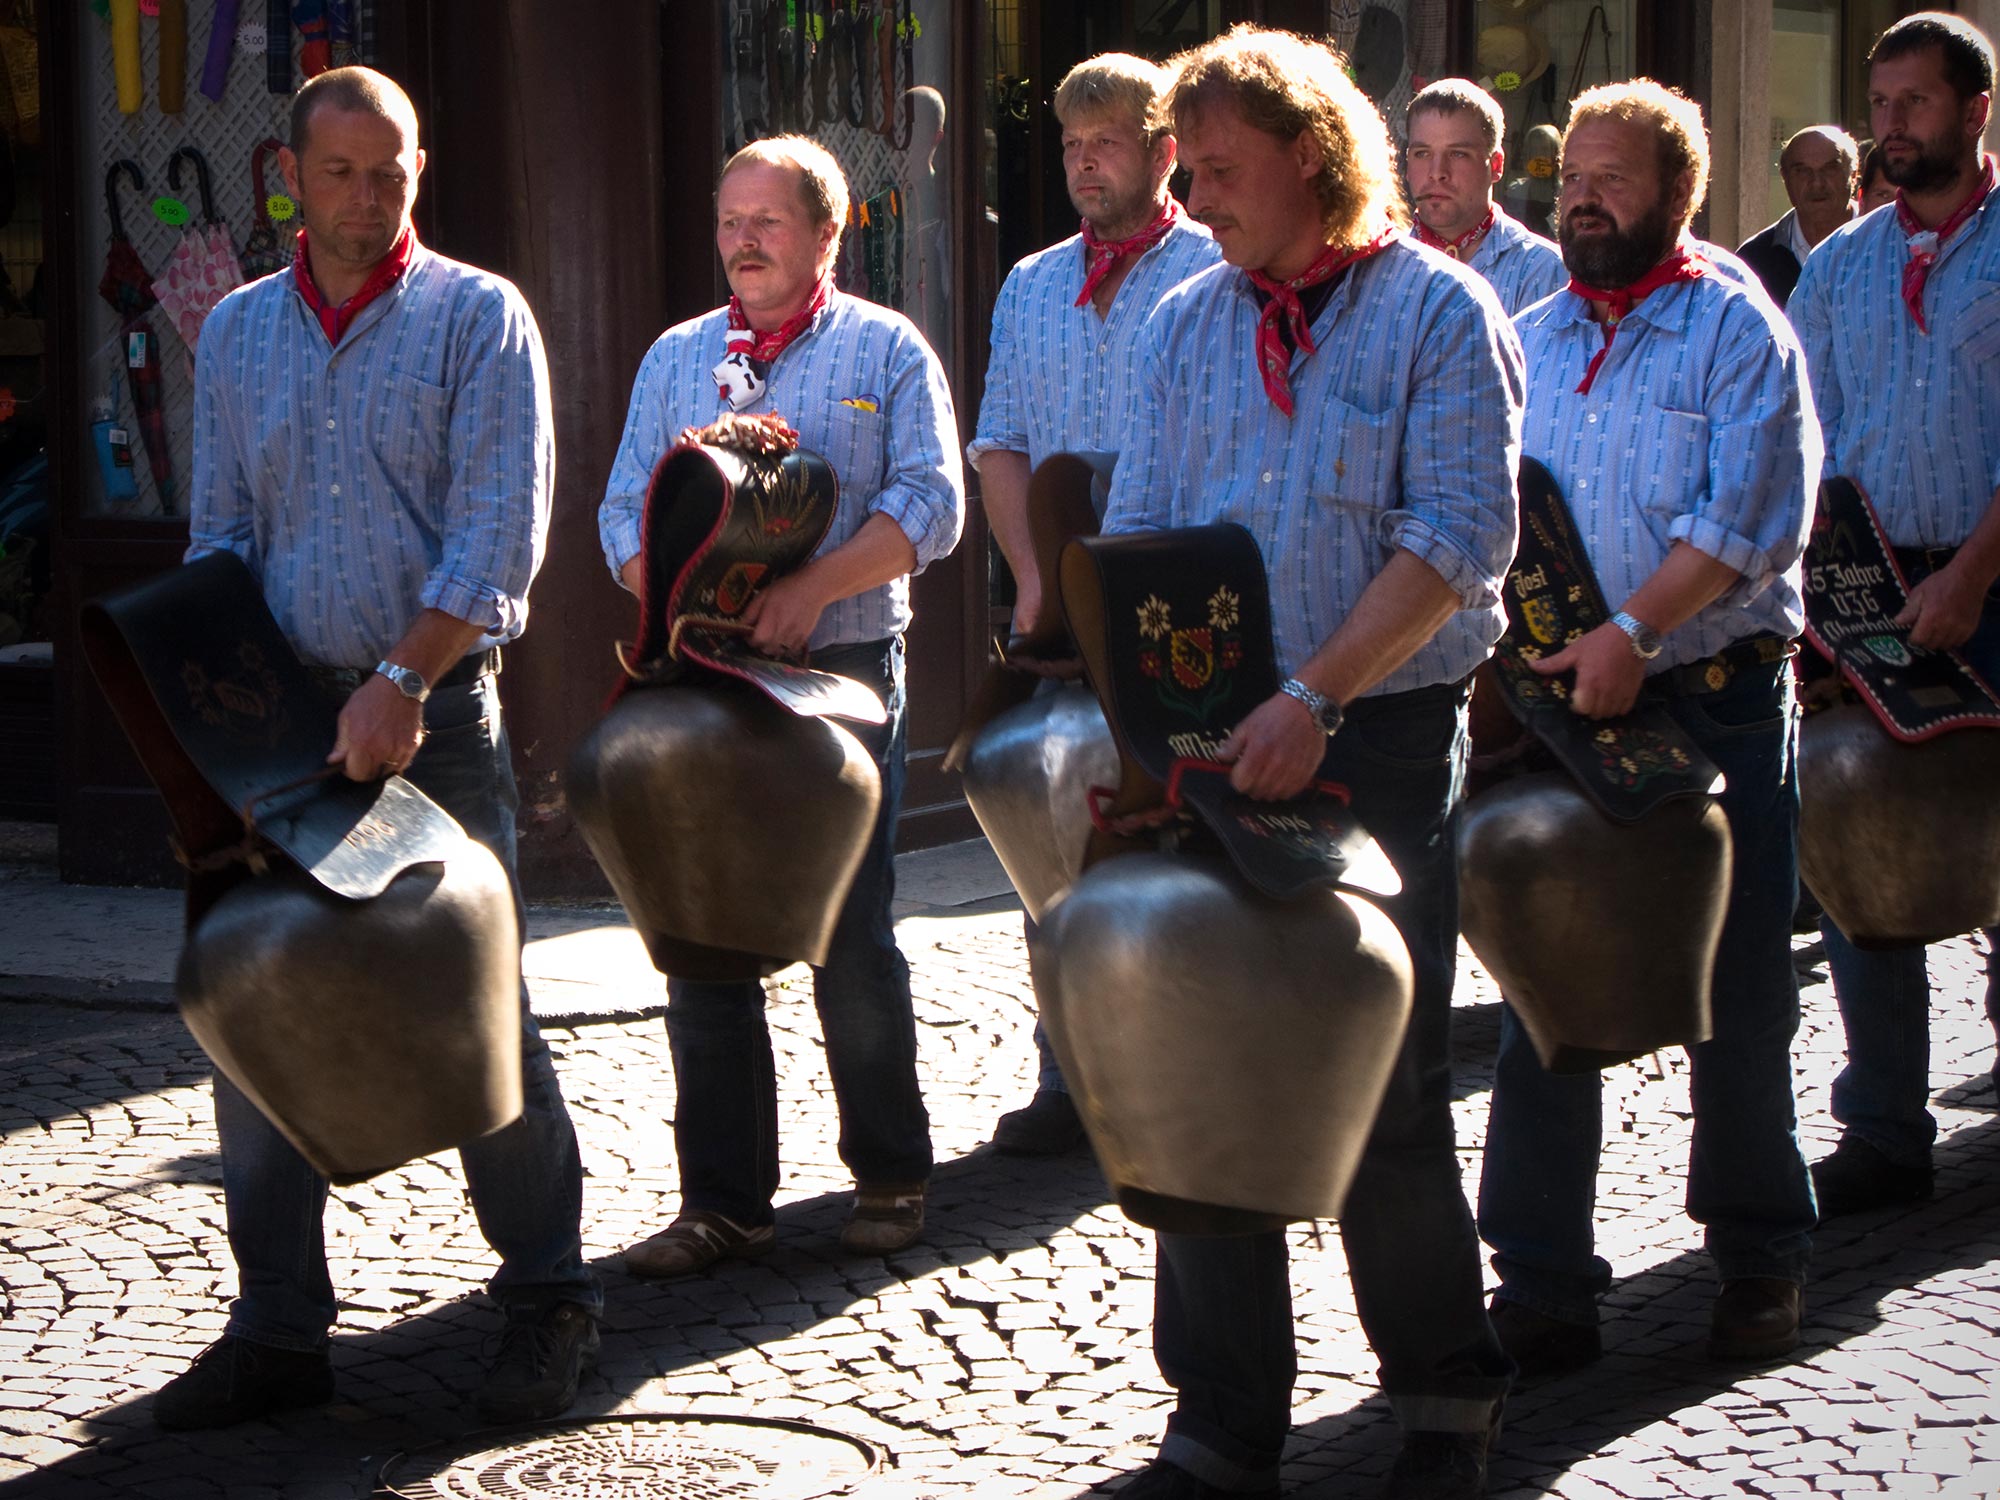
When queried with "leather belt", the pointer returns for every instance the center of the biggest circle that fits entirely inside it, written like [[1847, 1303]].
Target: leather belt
[[1713, 673], [1930, 559], [468, 670]]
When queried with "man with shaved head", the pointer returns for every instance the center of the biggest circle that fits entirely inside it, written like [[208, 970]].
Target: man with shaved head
[[373, 437], [1820, 165]]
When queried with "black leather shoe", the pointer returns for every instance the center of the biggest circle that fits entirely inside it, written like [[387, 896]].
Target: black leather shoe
[[1047, 1126], [1161, 1480], [1541, 1345], [543, 1354], [1857, 1177], [234, 1380], [1754, 1317], [1440, 1466]]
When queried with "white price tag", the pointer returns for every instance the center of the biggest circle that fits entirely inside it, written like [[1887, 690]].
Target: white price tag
[[251, 36]]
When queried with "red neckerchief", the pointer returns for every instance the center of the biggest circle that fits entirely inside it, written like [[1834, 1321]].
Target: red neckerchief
[[1680, 266], [1927, 244], [1100, 256], [1274, 360], [1472, 236], [335, 321], [765, 347]]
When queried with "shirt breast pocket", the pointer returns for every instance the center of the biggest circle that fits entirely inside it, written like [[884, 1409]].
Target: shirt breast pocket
[[409, 422], [856, 446], [1979, 344], [1666, 455], [1356, 457]]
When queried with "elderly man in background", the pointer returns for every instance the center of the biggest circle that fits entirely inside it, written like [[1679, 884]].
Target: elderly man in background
[[1821, 166]]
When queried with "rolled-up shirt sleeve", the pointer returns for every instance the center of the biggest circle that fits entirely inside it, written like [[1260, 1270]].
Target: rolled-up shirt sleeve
[[1002, 426], [501, 444], [1462, 445], [1764, 458], [923, 481]]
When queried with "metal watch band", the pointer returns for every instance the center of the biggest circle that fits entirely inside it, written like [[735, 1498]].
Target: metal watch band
[[409, 682], [1645, 640], [1326, 713]]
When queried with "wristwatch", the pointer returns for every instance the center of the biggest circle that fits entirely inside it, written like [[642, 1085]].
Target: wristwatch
[[1645, 640], [409, 681], [1326, 713]]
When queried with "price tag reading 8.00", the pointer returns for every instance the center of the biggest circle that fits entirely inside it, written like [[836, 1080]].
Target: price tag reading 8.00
[[281, 207]]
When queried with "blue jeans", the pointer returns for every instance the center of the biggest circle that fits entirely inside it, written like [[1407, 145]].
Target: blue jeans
[[726, 1090], [525, 1181], [1048, 1072], [1222, 1324], [1883, 1094], [1747, 1182]]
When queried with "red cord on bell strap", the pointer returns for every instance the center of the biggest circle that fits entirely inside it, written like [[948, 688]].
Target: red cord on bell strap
[[1126, 824]]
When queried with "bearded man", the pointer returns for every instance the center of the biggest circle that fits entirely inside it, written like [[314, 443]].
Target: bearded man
[[1900, 316], [1669, 402]]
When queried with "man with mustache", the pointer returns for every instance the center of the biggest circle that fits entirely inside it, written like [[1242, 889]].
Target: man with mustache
[[1452, 163], [1820, 166], [373, 438], [1900, 317], [864, 390], [1057, 380], [1670, 404], [1353, 401]]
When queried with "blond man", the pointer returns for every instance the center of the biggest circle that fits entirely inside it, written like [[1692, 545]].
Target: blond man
[[1354, 401], [1058, 377]]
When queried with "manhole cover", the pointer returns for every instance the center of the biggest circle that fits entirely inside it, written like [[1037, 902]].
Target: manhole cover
[[687, 1457]]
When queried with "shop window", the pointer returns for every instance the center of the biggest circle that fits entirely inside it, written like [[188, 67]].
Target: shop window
[[1535, 56], [1805, 75], [163, 247], [871, 83]]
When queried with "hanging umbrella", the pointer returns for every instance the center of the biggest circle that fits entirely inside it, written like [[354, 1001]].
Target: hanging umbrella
[[129, 289], [203, 269], [221, 44], [262, 254]]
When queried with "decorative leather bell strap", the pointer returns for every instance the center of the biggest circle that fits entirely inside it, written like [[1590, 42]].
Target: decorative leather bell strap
[[1175, 633], [1059, 510], [234, 732], [1626, 765], [1854, 589], [720, 526]]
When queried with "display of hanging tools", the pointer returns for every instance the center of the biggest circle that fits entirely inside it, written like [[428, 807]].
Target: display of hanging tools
[[315, 37], [278, 46], [203, 269], [341, 31], [1599, 22], [125, 55], [263, 252], [129, 290], [173, 59], [781, 65], [221, 47], [840, 45], [819, 58], [745, 60]]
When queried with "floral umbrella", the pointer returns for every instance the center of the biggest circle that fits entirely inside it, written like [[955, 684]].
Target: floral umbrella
[[203, 269], [129, 289]]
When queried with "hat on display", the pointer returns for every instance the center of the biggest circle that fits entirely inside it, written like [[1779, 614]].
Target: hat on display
[[1377, 60], [1511, 57]]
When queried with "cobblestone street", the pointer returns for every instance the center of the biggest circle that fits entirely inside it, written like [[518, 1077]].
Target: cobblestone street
[[1009, 1355]]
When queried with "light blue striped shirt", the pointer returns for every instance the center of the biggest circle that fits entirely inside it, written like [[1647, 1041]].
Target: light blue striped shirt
[[1408, 434], [1522, 266], [899, 460], [1059, 377], [1699, 428], [1914, 418], [408, 468]]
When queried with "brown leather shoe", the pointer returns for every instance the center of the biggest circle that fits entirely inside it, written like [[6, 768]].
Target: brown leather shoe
[[887, 1217], [1541, 1345], [697, 1240], [1755, 1317]]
